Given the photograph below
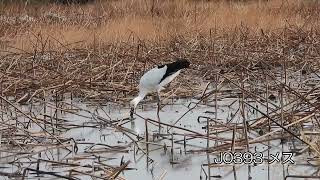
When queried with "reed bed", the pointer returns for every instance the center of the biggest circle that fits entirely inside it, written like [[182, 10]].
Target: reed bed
[[267, 81], [105, 22], [275, 76]]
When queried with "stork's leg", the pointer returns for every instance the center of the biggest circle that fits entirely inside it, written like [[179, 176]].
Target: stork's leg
[[158, 110], [131, 113]]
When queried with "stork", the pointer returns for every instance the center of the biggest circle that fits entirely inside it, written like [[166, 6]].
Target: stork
[[155, 79]]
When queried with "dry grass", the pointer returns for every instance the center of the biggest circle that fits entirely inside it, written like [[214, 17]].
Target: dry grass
[[262, 54], [157, 21]]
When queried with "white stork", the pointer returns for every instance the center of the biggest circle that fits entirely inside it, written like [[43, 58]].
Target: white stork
[[155, 79]]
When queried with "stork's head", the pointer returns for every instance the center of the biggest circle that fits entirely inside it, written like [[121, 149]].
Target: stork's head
[[133, 105], [135, 101], [183, 63]]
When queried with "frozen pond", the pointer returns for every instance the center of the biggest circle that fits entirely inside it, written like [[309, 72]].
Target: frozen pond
[[104, 139]]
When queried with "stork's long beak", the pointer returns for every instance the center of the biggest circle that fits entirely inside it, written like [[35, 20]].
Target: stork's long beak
[[131, 112]]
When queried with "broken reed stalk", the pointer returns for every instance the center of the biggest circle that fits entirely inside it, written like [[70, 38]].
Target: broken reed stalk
[[208, 145], [269, 123], [172, 149], [282, 122], [147, 140], [244, 122], [233, 150]]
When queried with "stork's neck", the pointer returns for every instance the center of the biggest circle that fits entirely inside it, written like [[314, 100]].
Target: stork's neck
[[137, 99]]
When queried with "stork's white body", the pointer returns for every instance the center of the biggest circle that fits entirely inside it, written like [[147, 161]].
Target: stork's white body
[[150, 82], [155, 79]]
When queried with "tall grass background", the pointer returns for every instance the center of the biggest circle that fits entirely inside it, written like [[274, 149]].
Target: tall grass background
[[102, 22]]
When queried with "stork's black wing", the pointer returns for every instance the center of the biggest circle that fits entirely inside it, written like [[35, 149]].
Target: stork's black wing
[[174, 67]]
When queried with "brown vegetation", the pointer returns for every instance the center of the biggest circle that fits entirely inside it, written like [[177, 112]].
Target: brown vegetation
[[51, 46], [262, 55], [105, 22]]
